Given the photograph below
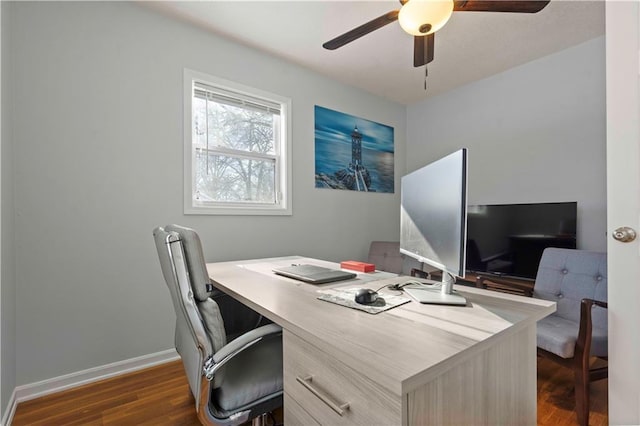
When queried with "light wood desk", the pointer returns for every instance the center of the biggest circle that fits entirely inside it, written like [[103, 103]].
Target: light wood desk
[[412, 365]]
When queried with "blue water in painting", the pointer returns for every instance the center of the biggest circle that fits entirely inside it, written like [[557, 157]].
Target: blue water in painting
[[333, 156], [333, 146]]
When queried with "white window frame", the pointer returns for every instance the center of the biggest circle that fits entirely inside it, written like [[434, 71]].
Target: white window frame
[[282, 206]]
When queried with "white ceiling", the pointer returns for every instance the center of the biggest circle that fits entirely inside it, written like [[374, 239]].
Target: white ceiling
[[471, 46]]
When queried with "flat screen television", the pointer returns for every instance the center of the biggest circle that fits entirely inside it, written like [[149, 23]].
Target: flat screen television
[[433, 218], [508, 239]]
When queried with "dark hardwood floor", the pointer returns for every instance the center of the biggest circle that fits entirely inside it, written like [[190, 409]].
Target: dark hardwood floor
[[160, 396], [556, 397]]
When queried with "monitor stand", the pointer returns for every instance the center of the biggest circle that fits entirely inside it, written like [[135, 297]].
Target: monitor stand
[[442, 294]]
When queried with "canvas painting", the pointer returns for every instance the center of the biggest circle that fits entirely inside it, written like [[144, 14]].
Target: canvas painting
[[353, 153]]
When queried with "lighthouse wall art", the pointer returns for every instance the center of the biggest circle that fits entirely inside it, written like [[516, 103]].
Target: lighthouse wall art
[[352, 153]]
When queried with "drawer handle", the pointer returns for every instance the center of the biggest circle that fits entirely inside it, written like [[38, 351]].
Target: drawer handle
[[306, 382]]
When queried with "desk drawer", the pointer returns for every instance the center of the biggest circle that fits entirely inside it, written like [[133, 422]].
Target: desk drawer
[[331, 392], [294, 414]]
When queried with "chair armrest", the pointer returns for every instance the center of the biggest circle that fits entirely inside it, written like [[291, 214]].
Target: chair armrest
[[231, 349], [590, 302], [583, 343], [505, 286], [585, 314]]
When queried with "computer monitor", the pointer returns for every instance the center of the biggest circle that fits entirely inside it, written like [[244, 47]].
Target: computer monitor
[[433, 221]]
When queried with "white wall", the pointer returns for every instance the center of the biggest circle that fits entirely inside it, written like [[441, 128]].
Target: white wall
[[535, 133], [7, 259], [98, 164]]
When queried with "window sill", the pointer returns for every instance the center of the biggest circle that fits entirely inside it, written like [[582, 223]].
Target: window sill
[[238, 211]]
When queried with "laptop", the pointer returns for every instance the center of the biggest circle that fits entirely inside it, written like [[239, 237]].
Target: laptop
[[314, 274]]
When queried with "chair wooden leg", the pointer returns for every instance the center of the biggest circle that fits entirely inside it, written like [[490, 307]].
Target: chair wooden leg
[[259, 421], [582, 395]]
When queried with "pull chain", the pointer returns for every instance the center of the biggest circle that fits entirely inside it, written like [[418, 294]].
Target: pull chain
[[426, 73]]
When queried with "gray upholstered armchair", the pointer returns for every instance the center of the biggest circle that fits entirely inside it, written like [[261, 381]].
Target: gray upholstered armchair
[[387, 257], [218, 338], [577, 281]]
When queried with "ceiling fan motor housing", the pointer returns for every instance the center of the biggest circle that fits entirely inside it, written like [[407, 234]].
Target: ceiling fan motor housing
[[422, 17]]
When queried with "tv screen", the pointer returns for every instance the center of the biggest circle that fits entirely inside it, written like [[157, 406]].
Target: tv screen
[[433, 214], [509, 239]]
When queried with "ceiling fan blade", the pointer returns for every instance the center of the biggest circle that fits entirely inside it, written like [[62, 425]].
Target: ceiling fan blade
[[423, 49], [362, 30], [518, 6]]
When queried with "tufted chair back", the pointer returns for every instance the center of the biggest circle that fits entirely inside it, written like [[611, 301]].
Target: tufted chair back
[[566, 277], [387, 257]]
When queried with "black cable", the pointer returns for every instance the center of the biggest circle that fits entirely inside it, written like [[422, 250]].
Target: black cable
[[398, 286], [386, 285]]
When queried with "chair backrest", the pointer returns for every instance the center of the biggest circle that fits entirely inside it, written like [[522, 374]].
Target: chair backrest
[[567, 276], [198, 275], [200, 284], [386, 256], [191, 340], [200, 328]]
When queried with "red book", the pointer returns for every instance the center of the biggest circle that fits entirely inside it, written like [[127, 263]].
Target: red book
[[354, 265]]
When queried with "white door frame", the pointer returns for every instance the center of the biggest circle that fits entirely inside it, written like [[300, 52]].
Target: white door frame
[[623, 208]]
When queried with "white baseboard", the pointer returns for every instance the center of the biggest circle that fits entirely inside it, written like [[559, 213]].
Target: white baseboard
[[11, 410], [34, 390]]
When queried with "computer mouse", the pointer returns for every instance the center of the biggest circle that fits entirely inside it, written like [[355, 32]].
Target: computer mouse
[[366, 296]]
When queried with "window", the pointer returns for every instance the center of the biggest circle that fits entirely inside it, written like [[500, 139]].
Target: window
[[237, 148]]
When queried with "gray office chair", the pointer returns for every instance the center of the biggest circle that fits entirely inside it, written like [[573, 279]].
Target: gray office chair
[[219, 338], [387, 257], [577, 281]]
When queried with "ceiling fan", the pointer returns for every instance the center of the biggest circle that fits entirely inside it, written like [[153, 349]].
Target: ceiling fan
[[422, 18]]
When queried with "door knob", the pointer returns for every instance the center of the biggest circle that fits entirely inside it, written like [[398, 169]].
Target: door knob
[[624, 234]]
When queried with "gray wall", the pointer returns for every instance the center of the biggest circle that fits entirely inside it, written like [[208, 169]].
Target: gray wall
[[97, 98], [7, 259], [535, 133]]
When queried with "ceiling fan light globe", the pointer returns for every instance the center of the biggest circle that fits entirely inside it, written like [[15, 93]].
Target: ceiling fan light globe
[[417, 15]]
